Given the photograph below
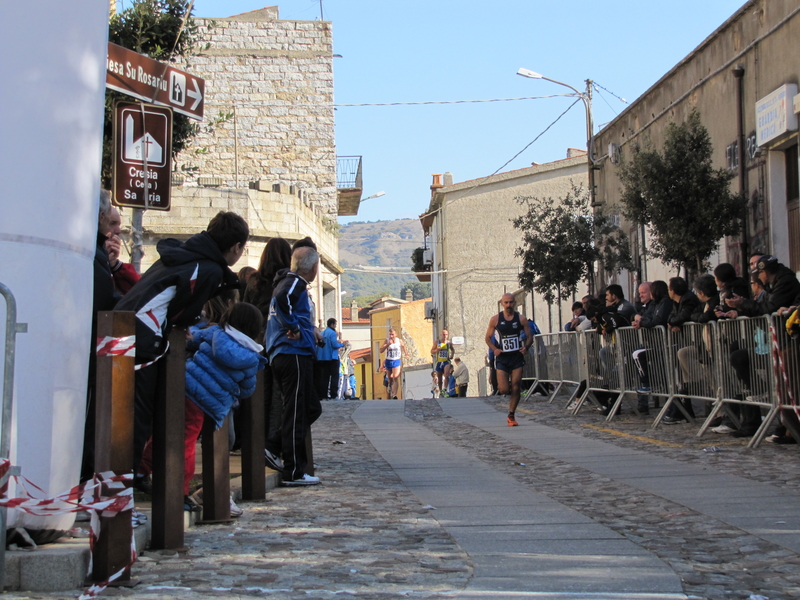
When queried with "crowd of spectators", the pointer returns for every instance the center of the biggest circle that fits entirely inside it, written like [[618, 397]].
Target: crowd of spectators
[[770, 288], [237, 324]]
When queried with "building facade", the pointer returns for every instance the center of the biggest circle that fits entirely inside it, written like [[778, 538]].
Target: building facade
[[743, 82], [266, 148], [408, 319], [473, 242]]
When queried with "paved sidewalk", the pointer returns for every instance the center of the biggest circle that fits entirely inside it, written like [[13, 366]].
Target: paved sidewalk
[[519, 540]]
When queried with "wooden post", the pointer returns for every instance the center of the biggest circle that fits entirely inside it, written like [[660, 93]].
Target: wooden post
[[252, 410], [114, 392], [216, 473], [168, 435]]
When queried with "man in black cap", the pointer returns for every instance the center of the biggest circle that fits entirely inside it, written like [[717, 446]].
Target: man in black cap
[[780, 282]]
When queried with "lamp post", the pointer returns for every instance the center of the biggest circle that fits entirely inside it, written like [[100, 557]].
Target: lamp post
[[376, 195], [586, 97]]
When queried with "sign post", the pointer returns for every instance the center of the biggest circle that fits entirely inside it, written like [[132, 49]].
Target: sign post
[[159, 83], [142, 155]]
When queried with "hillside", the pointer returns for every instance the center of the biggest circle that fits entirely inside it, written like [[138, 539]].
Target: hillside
[[378, 245]]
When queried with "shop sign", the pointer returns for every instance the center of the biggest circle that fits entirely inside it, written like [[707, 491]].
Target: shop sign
[[775, 114]]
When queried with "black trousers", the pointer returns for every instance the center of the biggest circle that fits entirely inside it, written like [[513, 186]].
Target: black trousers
[[327, 375], [145, 384], [294, 375]]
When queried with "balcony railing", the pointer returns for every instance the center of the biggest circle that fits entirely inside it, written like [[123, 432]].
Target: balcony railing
[[348, 172]]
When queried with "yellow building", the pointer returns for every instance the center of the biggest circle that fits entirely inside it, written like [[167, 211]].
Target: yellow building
[[408, 319]]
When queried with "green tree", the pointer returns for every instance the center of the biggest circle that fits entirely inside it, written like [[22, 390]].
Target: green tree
[[562, 239], [686, 203], [418, 289], [165, 31]]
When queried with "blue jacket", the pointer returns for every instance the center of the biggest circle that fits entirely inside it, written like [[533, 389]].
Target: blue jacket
[[290, 310], [220, 372], [332, 344]]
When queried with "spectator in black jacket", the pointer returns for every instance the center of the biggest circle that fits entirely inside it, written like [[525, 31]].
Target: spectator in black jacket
[[659, 308], [695, 358], [781, 285], [104, 298], [685, 303], [172, 293]]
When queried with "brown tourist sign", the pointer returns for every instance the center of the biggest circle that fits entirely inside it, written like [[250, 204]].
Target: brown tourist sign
[[142, 155], [156, 82]]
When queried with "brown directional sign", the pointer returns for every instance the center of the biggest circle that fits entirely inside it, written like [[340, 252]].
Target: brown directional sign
[[142, 155], [152, 81]]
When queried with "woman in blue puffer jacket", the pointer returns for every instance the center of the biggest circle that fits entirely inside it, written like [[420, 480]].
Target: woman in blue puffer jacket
[[224, 366], [221, 371]]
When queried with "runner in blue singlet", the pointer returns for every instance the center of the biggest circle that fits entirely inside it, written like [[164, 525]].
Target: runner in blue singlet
[[504, 338]]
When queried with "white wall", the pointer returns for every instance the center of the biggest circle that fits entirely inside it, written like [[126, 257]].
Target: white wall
[[53, 70]]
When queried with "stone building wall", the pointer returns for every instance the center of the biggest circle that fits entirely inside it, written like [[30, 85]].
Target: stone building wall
[[476, 242], [761, 40], [271, 81]]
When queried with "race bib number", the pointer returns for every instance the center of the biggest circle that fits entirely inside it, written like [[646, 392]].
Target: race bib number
[[444, 354], [392, 353], [510, 344]]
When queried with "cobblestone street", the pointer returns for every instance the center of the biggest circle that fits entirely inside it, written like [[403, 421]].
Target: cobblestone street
[[363, 534]]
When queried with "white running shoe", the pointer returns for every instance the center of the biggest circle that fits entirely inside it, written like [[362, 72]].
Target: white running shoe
[[235, 510], [723, 429], [273, 462], [306, 479]]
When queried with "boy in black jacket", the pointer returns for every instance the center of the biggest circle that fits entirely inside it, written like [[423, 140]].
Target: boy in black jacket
[[172, 293]]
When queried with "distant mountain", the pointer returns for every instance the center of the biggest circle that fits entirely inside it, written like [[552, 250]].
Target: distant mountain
[[377, 245]]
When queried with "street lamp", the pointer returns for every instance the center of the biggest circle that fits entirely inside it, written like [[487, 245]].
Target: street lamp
[[586, 97], [377, 195]]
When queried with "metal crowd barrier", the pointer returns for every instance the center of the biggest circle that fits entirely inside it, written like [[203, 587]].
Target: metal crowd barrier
[[696, 377], [12, 328], [738, 367], [601, 368], [554, 358], [643, 362], [573, 365], [745, 374]]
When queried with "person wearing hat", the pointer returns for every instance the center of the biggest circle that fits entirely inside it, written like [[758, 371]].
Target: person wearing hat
[[781, 285]]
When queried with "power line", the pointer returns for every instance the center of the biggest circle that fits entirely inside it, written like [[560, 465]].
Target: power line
[[454, 101], [480, 180], [621, 99]]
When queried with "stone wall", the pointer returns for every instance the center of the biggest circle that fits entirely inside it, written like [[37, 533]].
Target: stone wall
[[269, 214], [269, 105]]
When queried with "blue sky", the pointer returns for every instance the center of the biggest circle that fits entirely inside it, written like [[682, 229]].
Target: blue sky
[[433, 50]]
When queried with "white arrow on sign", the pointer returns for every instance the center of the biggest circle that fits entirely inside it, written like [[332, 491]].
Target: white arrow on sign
[[195, 94]]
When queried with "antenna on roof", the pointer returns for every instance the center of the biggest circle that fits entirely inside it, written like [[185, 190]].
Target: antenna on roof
[[321, 16]]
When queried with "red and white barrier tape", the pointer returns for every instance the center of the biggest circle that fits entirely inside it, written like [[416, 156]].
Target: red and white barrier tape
[[152, 362], [86, 496], [780, 372], [111, 346]]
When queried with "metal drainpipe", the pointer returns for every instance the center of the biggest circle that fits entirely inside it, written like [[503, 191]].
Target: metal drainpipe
[[12, 329], [738, 73]]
